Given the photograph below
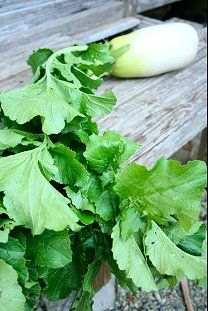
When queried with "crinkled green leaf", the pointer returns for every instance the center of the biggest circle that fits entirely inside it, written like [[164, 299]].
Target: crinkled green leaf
[[203, 282], [13, 253], [175, 232], [99, 105], [109, 151], [98, 54], [32, 295], [86, 217], [64, 72], [85, 300], [79, 131], [131, 260], [60, 282], [9, 139], [92, 189], [106, 226], [39, 58], [167, 189], [70, 171], [29, 198], [130, 223], [169, 259], [92, 271], [51, 249], [107, 205], [2, 209], [5, 226], [120, 275], [32, 289], [93, 105], [87, 238], [11, 297], [20, 234], [107, 178], [24, 104], [193, 244], [46, 164], [85, 80], [4, 235], [79, 201]]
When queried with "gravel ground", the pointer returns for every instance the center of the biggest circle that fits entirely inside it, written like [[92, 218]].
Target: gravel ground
[[165, 300]]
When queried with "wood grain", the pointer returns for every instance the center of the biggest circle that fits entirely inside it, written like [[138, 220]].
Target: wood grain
[[103, 277], [55, 33], [144, 5], [107, 30], [130, 7], [60, 19], [15, 7]]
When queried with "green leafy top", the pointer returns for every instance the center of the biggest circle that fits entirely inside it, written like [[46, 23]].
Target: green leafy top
[[167, 189], [62, 88], [66, 206]]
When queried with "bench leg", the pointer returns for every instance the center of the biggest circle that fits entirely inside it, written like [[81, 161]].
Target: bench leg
[[202, 151]]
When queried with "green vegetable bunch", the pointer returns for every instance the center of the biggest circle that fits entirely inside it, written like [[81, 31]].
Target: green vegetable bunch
[[66, 206]]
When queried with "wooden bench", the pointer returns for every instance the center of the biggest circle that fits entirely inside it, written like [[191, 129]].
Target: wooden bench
[[163, 113]]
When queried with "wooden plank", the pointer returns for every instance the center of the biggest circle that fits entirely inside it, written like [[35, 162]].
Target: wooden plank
[[163, 113], [106, 31], [55, 34], [9, 6], [144, 5], [12, 8], [23, 75], [52, 19], [23, 25], [130, 7], [103, 277]]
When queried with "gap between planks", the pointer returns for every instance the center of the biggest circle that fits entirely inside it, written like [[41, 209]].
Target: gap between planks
[[144, 5]]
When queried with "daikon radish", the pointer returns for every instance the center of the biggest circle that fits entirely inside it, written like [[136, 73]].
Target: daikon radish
[[155, 50]]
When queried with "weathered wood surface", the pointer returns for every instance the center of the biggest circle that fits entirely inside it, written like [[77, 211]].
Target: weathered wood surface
[[8, 7], [103, 277], [18, 38], [16, 71], [162, 113], [15, 7], [130, 7], [145, 5]]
